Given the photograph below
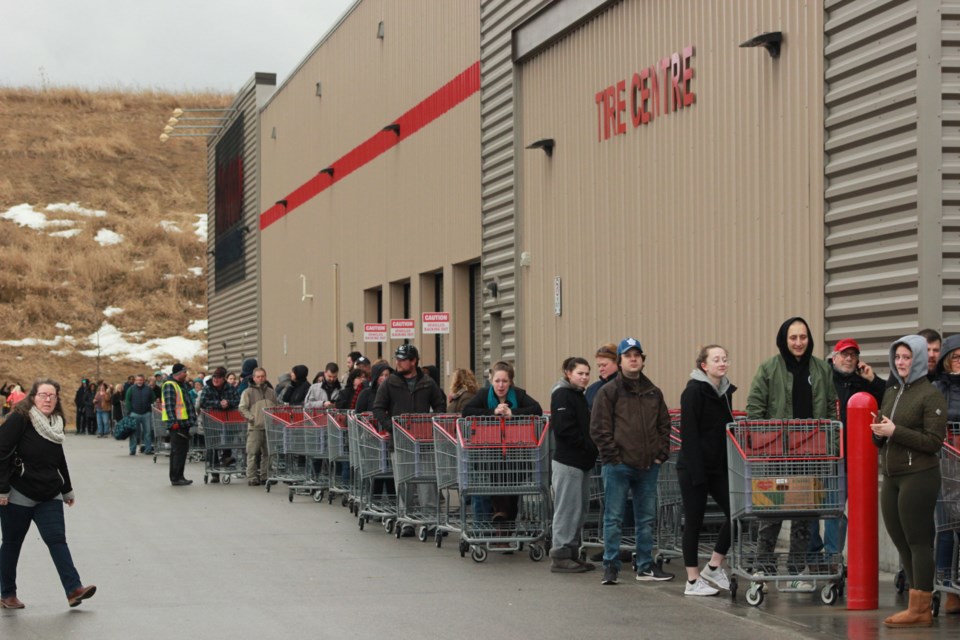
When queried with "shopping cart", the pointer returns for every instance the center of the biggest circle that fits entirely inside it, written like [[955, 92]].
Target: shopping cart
[[784, 470], [947, 514], [415, 473], [161, 433], [295, 438], [353, 435], [448, 487], [224, 429], [378, 496], [338, 455], [499, 456]]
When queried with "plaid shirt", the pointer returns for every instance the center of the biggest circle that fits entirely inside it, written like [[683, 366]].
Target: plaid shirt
[[170, 401]]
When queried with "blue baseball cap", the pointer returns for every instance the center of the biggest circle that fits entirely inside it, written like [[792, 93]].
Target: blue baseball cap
[[628, 343]]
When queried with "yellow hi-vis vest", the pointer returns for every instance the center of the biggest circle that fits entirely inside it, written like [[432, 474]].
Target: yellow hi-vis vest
[[180, 410]]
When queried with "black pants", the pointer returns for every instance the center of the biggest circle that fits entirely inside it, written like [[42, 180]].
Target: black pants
[[907, 503], [694, 507], [179, 447]]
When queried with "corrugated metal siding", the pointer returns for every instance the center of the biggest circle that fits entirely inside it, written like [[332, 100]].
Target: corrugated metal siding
[[873, 196], [498, 18], [705, 225], [233, 313], [950, 67]]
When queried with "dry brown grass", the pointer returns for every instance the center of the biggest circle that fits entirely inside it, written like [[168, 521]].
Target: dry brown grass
[[100, 149]]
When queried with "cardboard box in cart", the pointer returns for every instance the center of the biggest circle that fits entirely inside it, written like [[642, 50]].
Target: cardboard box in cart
[[791, 492]]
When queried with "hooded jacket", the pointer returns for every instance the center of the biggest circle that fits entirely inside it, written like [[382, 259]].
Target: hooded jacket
[[254, 400], [394, 398], [630, 423], [570, 426], [246, 374], [369, 392], [919, 412], [296, 393], [949, 383], [705, 412], [771, 392]]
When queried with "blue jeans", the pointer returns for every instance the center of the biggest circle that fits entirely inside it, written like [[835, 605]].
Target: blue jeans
[[144, 432], [834, 535], [618, 480], [15, 522], [103, 422]]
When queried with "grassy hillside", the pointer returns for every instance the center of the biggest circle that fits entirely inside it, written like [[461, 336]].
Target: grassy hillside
[[99, 150]]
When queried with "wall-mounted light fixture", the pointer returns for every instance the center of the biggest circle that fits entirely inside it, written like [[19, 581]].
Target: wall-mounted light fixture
[[319, 89], [770, 41], [327, 170], [380, 30], [350, 326], [547, 144], [393, 127], [493, 288]]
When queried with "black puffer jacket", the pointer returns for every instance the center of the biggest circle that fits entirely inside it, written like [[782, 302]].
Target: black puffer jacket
[[43, 474], [394, 398], [570, 425], [705, 413]]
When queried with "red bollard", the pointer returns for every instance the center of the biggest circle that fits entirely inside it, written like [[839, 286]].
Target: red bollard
[[863, 555]]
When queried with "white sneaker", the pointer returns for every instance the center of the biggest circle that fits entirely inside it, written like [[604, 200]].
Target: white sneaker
[[801, 586], [699, 588], [715, 576]]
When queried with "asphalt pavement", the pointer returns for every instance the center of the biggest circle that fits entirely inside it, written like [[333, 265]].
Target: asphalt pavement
[[233, 561]]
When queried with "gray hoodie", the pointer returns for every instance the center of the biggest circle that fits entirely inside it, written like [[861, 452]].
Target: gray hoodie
[[918, 368], [700, 376]]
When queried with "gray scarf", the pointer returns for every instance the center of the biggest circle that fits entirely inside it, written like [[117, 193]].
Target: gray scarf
[[49, 427]]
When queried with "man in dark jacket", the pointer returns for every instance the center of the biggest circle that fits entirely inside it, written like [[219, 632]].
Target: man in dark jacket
[[606, 360], [630, 425], [409, 390], [217, 395], [139, 403], [78, 403]]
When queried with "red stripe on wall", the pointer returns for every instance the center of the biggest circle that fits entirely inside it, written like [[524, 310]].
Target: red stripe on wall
[[432, 107]]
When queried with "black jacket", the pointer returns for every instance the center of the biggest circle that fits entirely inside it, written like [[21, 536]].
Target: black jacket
[[394, 398], [570, 425], [594, 388], [43, 474], [848, 384], [139, 399], [526, 406], [704, 415]]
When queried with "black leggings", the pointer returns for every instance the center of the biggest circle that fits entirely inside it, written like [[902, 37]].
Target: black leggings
[[907, 502], [694, 507]]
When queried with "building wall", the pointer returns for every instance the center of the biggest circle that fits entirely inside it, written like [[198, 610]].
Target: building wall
[[405, 211], [703, 226], [234, 311]]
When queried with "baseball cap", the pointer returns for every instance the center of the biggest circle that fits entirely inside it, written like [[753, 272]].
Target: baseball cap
[[846, 343], [406, 352], [628, 343], [361, 360]]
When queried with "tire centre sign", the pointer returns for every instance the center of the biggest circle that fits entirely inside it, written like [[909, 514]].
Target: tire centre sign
[[374, 332], [436, 322], [403, 329], [654, 91]]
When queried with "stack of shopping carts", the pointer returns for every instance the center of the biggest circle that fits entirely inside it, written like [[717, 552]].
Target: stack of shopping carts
[[224, 429]]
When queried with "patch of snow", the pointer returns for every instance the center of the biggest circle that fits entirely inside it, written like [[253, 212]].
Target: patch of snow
[[169, 226], [37, 342], [69, 233], [112, 311], [197, 326], [197, 271], [63, 325], [25, 215], [75, 207], [106, 237], [115, 345], [200, 227]]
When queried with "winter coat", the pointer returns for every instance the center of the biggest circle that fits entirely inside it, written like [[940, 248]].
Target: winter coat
[[570, 425], [394, 398], [139, 399], [458, 401], [949, 383], [211, 396], [117, 405], [630, 423], [103, 400], [246, 375], [42, 473], [919, 412], [848, 384], [594, 388], [316, 397], [705, 412], [254, 400], [479, 405]]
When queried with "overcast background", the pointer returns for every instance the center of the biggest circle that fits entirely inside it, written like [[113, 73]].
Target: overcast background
[[173, 45]]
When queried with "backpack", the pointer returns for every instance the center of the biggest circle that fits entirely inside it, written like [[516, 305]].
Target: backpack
[[125, 427]]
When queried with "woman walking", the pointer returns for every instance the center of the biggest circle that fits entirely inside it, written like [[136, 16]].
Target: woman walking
[[34, 484], [573, 457], [706, 407], [910, 431]]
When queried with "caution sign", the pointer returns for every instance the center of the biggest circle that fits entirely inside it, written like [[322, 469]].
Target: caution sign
[[374, 332], [436, 322], [405, 329]]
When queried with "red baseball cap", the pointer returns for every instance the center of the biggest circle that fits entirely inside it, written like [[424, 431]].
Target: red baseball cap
[[846, 343]]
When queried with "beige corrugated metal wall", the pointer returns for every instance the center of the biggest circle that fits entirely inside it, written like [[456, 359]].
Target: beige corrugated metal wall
[[234, 312], [891, 146], [411, 211], [705, 225], [498, 18]]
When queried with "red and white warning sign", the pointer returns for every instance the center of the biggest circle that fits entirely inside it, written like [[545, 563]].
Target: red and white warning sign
[[374, 332], [436, 321], [403, 329]]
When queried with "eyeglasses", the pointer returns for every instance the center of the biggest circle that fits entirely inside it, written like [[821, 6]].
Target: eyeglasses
[[847, 355], [955, 357], [47, 396]]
